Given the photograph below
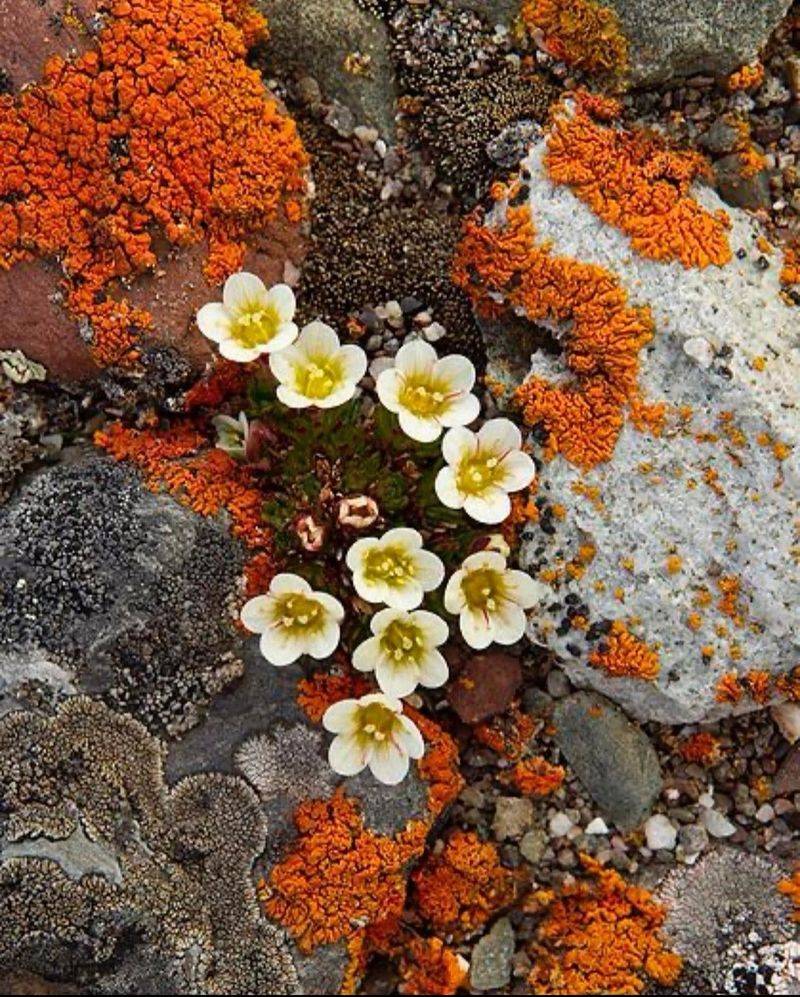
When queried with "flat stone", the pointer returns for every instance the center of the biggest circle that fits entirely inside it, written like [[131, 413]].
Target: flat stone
[[513, 816], [485, 686], [490, 965], [611, 756]]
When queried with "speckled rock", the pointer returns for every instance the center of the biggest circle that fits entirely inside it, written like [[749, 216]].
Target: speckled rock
[[705, 504], [670, 38], [611, 756], [343, 47], [490, 965]]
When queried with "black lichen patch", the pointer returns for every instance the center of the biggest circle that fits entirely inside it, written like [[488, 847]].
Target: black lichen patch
[[125, 589]]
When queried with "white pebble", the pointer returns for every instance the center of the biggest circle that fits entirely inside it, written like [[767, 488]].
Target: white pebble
[[660, 833], [596, 826], [765, 813], [560, 825], [717, 824], [434, 332]]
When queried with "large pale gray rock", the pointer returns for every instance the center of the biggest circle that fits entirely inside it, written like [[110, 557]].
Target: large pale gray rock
[[712, 493], [672, 38], [343, 46]]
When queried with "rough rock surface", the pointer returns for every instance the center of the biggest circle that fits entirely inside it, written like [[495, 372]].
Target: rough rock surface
[[611, 756], [670, 38], [131, 841], [672, 516], [343, 47]]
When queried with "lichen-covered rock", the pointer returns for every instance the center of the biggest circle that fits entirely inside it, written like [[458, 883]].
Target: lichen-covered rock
[[343, 46], [113, 590], [665, 366], [128, 193]]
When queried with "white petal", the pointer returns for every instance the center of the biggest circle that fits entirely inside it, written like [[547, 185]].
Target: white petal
[[484, 559], [345, 756], [381, 620], [429, 570], [282, 298], [403, 536], [338, 397], [373, 591], [523, 589], [318, 340], [388, 764], [406, 597], [340, 716], [509, 623], [286, 582], [415, 358], [458, 442], [454, 600], [418, 428], [354, 362], [461, 411], [457, 371], [366, 655], [293, 399], [476, 629], [242, 289], [518, 471], [433, 670], [358, 551], [388, 387], [500, 435], [256, 614], [332, 605], [282, 364], [433, 628], [447, 491], [231, 350], [322, 644], [412, 739], [214, 322], [396, 679], [493, 506], [279, 648], [284, 337]]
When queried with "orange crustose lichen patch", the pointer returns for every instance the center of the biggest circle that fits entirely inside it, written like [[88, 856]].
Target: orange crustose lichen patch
[[622, 655], [162, 126], [179, 461], [634, 181], [537, 777], [701, 748], [604, 334], [428, 966], [458, 890], [507, 734], [791, 888], [600, 935], [582, 33], [321, 690], [790, 271], [748, 77], [729, 688]]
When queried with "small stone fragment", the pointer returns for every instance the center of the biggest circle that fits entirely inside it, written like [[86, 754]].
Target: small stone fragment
[[490, 968]]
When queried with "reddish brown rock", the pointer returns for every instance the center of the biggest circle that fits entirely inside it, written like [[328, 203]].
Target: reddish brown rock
[[787, 780], [485, 685]]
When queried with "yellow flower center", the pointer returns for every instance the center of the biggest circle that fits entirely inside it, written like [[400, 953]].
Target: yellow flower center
[[484, 590], [255, 324], [376, 723], [425, 397], [392, 565], [478, 472], [402, 641], [317, 377], [299, 613]]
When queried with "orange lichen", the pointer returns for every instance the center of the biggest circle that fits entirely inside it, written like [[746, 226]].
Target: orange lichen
[[790, 271], [508, 734], [458, 890], [788, 686], [620, 654], [601, 935], [537, 777], [321, 690], [702, 748], [748, 77], [427, 966], [633, 180], [582, 33], [161, 126], [791, 888], [759, 685], [729, 602], [729, 688], [602, 339]]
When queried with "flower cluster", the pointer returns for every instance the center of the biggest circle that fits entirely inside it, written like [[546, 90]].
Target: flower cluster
[[429, 396]]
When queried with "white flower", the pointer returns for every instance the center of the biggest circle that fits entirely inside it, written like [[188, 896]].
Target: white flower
[[402, 652], [294, 620], [490, 599], [428, 393], [232, 434], [482, 469], [394, 569], [250, 320], [317, 369], [372, 731]]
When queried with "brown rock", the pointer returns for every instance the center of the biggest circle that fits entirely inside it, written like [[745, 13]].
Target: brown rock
[[787, 780], [485, 685]]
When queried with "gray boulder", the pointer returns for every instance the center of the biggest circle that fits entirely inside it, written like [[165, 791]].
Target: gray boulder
[[677, 520]]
